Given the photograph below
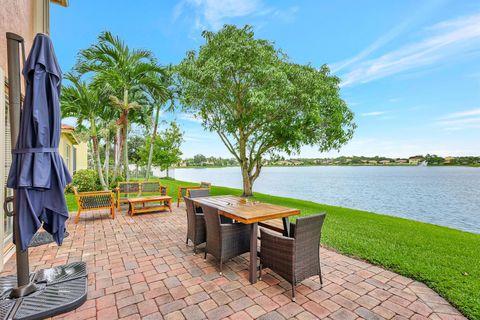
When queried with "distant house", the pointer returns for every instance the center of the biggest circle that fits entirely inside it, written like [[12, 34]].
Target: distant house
[[401, 161], [384, 162], [372, 162], [73, 151], [449, 159], [416, 160]]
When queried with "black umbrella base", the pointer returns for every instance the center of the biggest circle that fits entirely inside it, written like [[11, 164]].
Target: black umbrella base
[[60, 289]]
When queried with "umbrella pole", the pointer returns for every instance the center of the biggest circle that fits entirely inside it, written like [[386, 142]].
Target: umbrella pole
[[14, 93]]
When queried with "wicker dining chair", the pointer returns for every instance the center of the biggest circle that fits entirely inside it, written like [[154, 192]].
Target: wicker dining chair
[[195, 193], [196, 230], [297, 257], [225, 241]]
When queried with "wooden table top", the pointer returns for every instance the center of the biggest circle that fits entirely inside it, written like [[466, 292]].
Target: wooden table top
[[245, 210], [149, 199]]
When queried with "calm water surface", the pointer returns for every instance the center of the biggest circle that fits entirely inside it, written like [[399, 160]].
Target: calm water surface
[[448, 196]]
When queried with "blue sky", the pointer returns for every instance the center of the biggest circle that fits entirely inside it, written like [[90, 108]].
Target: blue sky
[[410, 69]]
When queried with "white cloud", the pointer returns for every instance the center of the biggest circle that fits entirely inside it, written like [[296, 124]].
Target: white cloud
[[456, 121], [373, 114], [386, 38], [466, 113], [446, 40], [213, 14], [190, 117]]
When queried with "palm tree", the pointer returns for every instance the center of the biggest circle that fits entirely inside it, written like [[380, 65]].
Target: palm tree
[[85, 103], [158, 96], [127, 70]]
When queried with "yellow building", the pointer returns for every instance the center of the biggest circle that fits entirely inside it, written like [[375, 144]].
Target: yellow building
[[25, 18], [73, 151]]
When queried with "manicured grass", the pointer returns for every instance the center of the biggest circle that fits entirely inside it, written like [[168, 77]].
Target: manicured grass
[[446, 260]]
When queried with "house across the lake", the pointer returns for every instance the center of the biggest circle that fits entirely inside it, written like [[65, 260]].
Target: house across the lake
[[415, 160]]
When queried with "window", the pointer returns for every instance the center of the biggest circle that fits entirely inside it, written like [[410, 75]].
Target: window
[[68, 156]]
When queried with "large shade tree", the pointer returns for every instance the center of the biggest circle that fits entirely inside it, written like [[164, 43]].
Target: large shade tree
[[259, 102], [166, 148], [125, 71]]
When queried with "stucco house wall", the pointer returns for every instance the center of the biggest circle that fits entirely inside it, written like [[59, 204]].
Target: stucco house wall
[[25, 18]]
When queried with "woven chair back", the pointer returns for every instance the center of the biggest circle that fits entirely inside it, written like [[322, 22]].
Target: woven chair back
[[308, 231], [212, 224], [195, 193]]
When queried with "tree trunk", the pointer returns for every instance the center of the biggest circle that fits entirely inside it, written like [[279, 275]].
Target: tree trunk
[[246, 175], [96, 153], [125, 150], [247, 183], [152, 143], [106, 164], [116, 167]]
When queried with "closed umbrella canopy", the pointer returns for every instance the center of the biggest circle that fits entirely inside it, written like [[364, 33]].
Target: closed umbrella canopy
[[38, 172]]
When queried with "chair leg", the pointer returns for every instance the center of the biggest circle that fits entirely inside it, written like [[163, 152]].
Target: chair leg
[[260, 272], [194, 249], [78, 216], [221, 264], [320, 273], [293, 292], [186, 241], [205, 256]]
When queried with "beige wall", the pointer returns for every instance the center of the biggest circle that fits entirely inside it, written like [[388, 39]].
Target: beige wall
[[81, 153], [16, 16], [82, 156]]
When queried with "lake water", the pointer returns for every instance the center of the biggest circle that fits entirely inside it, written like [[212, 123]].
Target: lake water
[[448, 196]]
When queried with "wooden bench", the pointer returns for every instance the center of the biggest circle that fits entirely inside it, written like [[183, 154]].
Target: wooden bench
[[127, 190], [274, 225], [94, 200], [183, 190], [153, 187]]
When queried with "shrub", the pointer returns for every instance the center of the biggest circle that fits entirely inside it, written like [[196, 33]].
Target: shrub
[[86, 180]]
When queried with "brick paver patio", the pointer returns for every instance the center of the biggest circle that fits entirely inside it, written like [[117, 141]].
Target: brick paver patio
[[140, 268]]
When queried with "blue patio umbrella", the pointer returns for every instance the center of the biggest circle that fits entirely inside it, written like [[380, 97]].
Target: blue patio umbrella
[[38, 172]]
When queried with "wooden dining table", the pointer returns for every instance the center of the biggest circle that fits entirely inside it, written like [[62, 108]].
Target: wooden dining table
[[250, 212]]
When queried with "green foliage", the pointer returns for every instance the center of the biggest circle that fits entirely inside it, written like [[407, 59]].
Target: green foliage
[[433, 159], [258, 101], [114, 182], [199, 160], [166, 147], [86, 180], [135, 145]]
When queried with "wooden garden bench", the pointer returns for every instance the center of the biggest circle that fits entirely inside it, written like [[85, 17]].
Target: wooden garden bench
[[183, 190], [274, 225], [94, 200], [153, 188], [126, 189]]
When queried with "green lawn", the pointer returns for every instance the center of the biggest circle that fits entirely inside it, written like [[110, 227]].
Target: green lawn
[[447, 260]]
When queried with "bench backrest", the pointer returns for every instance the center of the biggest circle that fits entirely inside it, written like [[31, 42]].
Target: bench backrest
[[94, 199], [129, 187], [182, 191], [205, 185], [151, 187]]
